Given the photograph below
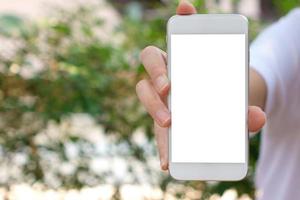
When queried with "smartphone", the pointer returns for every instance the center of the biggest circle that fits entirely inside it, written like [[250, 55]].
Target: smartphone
[[208, 69]]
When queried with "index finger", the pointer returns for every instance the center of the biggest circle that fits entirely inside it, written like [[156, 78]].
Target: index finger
[[185, 8], [154, 61]]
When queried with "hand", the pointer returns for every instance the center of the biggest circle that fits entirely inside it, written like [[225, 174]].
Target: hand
[[153, 93]]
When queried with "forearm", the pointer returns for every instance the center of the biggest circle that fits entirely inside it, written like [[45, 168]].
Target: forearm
[[275, 55], [257, 89]]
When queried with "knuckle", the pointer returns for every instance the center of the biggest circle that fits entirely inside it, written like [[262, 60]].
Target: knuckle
[[146, 51], [140, 85], [158, 70]]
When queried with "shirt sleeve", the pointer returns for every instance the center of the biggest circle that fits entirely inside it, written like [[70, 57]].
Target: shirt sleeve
[[275, 55]]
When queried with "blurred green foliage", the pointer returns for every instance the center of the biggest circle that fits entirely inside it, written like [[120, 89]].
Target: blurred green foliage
[[285, 6], [82, 73]]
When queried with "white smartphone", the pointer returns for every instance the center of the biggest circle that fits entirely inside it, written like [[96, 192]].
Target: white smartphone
[[208, 68]]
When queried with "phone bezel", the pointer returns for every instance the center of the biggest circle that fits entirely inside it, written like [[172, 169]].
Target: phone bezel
[[209, 24]]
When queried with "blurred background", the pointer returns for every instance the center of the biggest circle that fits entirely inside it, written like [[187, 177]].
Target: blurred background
[[70, 123]]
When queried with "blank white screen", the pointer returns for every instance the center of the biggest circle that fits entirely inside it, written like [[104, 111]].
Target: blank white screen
[[208, 98]]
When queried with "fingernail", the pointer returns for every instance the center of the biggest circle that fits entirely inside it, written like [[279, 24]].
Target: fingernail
[[163, 165], [161, 82], [163, 117]]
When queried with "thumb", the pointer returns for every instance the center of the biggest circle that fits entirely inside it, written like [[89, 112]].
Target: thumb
[[185, 8], [256, 118]]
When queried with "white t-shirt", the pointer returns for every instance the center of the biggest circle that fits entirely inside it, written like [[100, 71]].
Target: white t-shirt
[[275, 55]]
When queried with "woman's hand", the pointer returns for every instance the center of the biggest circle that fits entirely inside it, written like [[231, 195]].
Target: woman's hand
[[154, 91]]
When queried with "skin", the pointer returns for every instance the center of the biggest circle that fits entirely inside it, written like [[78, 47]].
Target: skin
[[153, 93]]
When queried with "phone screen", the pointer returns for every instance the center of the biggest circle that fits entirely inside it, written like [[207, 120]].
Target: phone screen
[[208, 98]]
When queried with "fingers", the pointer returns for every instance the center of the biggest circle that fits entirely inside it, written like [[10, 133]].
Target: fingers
[[256, 118], [154, 61], [153, 103], [161, 135], [185, 8], [152, 95]]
